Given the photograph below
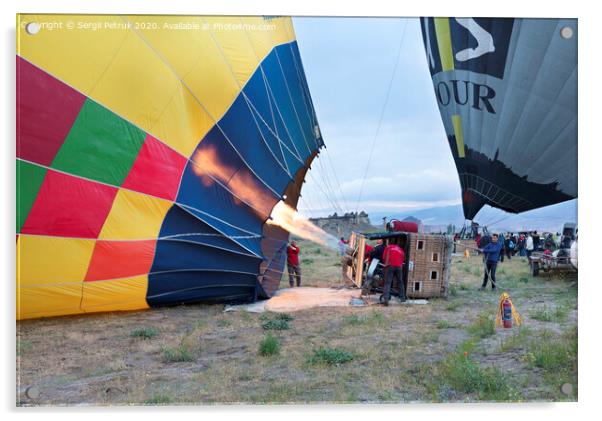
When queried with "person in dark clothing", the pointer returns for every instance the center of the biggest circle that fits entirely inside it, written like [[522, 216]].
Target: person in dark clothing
[[509, 246], [502, 243], [393, 259], [377, 252], [292, 263], [492, 254], [536, 241]]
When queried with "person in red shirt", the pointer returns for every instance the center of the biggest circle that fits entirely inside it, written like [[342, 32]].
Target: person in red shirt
[[367, 249], [292, 264], [393, 258]]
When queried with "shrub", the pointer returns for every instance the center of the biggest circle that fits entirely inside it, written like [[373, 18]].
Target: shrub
[[465, 375], [285, 316], [330, 356], [145, 333], [270, 345], [483, 327], [276, 324], [553, 356], [177, 355]]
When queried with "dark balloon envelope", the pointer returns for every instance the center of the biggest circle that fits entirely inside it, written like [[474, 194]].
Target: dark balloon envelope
[[507, 93], [149, 158]]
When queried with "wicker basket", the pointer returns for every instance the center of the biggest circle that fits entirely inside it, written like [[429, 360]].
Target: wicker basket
[[429, 266]]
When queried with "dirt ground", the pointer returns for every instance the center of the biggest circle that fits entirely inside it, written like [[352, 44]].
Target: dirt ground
[[445, 351]]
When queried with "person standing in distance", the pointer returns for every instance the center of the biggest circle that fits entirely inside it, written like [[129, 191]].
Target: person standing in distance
[[292, 263]]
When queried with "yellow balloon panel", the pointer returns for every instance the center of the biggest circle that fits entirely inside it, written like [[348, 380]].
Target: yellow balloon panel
[[48, 301], [134, 216], [51, 260], [115, 295], [230, 35], [134, 65], [266, 33], [77, 56], [183, 123], [137, 84]]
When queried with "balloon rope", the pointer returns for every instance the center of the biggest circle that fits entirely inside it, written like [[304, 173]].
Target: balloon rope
[[382, 113]]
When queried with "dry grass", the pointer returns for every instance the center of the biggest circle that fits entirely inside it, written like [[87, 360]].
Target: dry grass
[[400, 354]]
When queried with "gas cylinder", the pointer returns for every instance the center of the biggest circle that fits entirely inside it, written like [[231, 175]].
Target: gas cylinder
[[507, 313]]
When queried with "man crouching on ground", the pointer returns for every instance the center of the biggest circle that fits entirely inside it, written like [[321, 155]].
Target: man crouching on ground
[[292, 263]]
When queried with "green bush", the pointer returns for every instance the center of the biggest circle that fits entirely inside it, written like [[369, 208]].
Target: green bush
[[177, 355], [276, 324], [553, 355], [145, 333], [465, 375], [330, 356], [270, 345], [285, 316], [483, 327]]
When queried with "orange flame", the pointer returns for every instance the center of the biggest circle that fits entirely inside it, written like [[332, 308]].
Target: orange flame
[[247, 188], [209, 167], [292, 221]]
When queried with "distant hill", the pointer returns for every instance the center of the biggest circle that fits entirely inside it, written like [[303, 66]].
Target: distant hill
[[549, 218]]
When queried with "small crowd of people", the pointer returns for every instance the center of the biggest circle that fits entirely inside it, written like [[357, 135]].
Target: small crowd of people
[[524, 243]]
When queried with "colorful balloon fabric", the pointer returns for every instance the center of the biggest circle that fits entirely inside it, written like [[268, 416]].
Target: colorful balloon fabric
[[507, 93], [150, 153]]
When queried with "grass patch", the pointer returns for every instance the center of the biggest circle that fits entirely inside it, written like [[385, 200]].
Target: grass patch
[[285, 316], [430, 337], [453, 290], [376, 318], [461, 373], [270, 345], [224, 322], [453, 306], [552, 354], [276, 324], [547, 314], [330, 356], [144, 333], [483, 327], [158, 399], [177, 355], [444, 324], [517, 340], [355, 319], [307, 261]]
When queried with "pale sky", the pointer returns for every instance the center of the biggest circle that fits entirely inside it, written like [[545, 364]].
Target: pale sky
[[348, 63]]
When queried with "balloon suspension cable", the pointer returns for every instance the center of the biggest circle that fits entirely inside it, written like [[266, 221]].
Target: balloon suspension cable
[[382, 113]]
